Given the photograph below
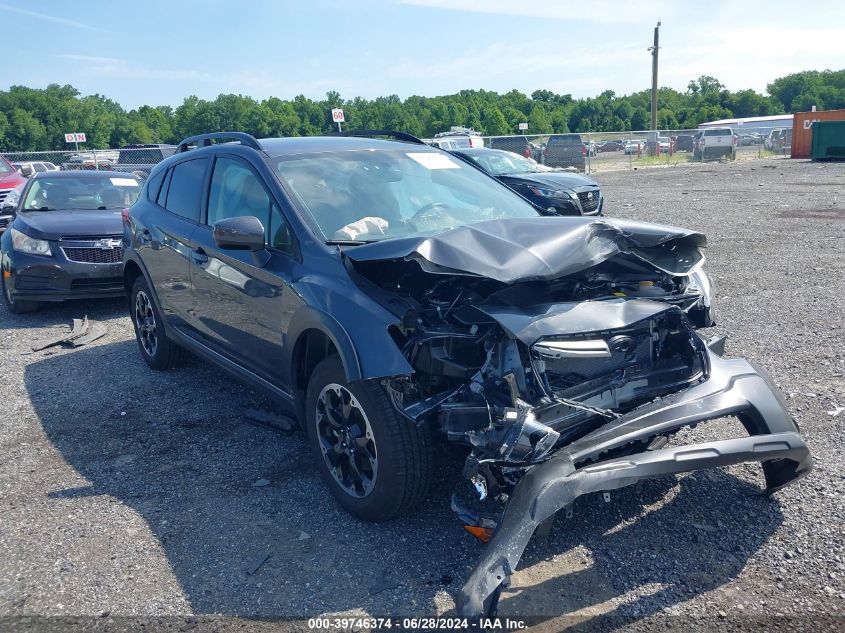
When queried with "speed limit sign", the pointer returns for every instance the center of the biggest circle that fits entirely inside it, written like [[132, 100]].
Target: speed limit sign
[[337, 115]]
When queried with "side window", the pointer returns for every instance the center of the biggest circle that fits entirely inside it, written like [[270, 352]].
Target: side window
[[162, 193], [154, 185], [236, 192], [185, 191]]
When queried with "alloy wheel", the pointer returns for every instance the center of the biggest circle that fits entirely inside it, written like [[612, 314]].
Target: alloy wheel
[[145, 322], [346, 440]]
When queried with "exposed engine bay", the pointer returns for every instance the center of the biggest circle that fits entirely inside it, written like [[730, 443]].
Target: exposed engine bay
[[563, 353], [516, 370]]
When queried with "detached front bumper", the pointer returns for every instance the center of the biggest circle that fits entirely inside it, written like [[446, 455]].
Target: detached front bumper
[[736, 387]]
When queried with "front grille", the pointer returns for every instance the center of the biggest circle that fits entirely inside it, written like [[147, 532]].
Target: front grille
[[94, 255], [589, 200], [3, 194], [97, 283], [4, 221], [32, 282], [73, 239]]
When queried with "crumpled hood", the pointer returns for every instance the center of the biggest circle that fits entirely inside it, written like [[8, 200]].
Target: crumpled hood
[[540, 248]]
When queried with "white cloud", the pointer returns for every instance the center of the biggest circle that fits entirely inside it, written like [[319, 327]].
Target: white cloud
[[748, 57], [601, 11], [91, 58], [48, 18], [247, 82]]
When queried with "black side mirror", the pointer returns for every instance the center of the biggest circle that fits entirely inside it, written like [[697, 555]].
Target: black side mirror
[[241, 233], [8, 209]]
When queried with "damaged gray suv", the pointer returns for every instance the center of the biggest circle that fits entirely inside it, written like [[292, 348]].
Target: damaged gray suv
[[394, 298]]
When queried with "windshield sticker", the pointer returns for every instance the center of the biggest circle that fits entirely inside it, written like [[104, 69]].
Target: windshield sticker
[[124, 182], [433, 160]]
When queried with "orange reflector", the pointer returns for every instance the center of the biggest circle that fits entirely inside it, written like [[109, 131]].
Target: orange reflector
[[7, 274], [481, 533]]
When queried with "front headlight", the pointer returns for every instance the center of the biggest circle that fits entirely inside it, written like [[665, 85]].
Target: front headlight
[[551, 193], [701, 282], [25, 244], [702, 312]]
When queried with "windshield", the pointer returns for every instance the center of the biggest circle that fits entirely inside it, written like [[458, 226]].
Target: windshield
[[501, 163], [86, 191], [5, 168], [371, 195]]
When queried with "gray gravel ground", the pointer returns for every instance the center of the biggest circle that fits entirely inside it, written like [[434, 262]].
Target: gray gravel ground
[[126, 492]]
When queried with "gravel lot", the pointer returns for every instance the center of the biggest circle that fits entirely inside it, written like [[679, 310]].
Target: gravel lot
[[125, 492]]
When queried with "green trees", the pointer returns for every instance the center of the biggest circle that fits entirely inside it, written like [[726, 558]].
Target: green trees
[[799, 92], [36, 119]]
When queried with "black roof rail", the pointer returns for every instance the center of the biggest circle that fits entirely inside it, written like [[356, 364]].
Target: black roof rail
[[203, 140], [399, 136]]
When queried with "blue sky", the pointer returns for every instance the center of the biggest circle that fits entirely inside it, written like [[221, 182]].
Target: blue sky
[[157, 52]]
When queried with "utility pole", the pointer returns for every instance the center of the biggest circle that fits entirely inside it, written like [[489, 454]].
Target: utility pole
[[654, 49]]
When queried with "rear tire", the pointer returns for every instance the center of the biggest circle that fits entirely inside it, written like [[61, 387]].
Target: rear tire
[[376, 463], [16, 306], [157, 350]]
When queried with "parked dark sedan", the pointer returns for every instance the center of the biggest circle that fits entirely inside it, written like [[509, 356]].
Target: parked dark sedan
[[65, 239], [566, 192], [611, 146]]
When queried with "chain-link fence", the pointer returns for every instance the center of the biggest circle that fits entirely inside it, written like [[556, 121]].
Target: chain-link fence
[[607, 151], [586, 152], [138, 160]]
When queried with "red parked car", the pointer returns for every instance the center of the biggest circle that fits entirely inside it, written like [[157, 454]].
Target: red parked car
[[9, 179]]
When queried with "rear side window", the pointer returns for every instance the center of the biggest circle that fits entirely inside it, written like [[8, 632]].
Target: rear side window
[[185, 192], [154, 185]]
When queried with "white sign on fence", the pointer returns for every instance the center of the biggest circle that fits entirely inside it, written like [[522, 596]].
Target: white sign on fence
[[523, 126], [75, 137], [337, 115]]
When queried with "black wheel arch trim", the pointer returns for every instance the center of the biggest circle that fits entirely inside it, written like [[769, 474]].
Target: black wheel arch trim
[[130, 256], [307, 318]]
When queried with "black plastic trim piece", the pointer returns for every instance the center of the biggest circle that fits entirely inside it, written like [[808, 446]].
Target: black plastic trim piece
[[399, 136], [204, 140]]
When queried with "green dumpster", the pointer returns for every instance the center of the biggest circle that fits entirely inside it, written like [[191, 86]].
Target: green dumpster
[[828, 140]]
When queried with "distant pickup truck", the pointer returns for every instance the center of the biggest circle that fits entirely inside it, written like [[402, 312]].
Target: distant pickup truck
[[140, 159], [715, 143]]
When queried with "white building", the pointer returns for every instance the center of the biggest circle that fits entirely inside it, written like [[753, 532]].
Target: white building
[[761, 124]]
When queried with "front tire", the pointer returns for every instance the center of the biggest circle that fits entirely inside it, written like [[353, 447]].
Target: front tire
[[376, 463], [157, 350], [16, 306]]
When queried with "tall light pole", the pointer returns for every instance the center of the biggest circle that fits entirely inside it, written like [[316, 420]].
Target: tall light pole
[[654, 49]]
